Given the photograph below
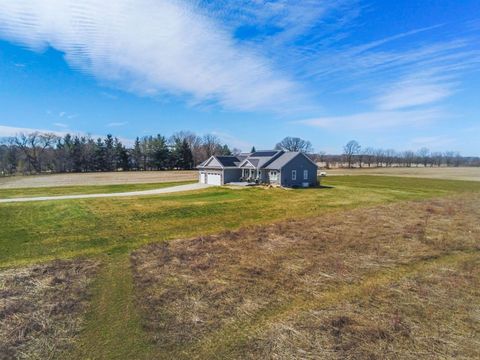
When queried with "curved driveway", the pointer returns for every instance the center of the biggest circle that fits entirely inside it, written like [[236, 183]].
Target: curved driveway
[[173, 189]]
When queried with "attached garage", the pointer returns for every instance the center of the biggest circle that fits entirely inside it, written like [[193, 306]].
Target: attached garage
[[214, 179]]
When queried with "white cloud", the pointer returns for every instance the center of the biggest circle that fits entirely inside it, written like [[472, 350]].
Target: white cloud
[[376, 120], [432, 142], [233, 141], [62, 125], [152, 48], [414, 90], [7, 131], [117, 124]]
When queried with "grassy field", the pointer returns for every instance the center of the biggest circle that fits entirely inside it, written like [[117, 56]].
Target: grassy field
[[98, 178], [77, 190], [108, 230], [450, 173]]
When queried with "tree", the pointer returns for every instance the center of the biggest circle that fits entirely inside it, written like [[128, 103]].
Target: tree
[[294, 144], [182, 155], [137, 155], [211, 145], [253, 150], [351, 149], [34, 146], [424, 155]]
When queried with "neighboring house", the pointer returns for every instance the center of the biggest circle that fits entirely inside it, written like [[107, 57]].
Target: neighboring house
[[285, 168]]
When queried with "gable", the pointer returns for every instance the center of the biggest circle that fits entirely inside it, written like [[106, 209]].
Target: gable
[[213, 162], [247, 164]]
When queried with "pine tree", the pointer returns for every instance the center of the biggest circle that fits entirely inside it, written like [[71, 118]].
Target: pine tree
[[137, 155], [253, 149]]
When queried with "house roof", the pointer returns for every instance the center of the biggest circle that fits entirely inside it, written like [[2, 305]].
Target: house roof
[[282, 160], [263, 159], [228, 161]]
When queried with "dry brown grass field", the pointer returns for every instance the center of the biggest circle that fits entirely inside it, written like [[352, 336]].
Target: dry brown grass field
[[100, 178], [391, 281], [450, 173], [41, 308]]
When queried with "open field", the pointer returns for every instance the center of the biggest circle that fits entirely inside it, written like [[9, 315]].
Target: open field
[[402, 227], [41, 308], [84, 190], [100, 178], [335, 286], [449, 173]]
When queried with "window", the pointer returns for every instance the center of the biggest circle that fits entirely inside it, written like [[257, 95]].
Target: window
[[305, 174], [273, 175], [294, 174]]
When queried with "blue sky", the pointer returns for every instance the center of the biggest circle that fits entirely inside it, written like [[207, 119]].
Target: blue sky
[[391, 74]]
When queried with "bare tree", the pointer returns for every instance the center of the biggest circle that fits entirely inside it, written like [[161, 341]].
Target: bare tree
[[211, 145], [294, 144], [351, 149], [369, 155], [34, 146], [423, 154]]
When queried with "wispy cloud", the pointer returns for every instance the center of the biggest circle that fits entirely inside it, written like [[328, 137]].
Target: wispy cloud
[[152, 48], [61, 125], [7, 131], [117, 124], [377, 120], [416, 90], [233, 141]]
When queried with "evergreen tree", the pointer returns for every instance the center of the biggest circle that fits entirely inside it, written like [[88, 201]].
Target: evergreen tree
[[253, 149], [160, 153], [182, 155], [225, 150], [137, 156]]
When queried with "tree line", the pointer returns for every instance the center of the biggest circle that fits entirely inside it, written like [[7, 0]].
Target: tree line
[[354, 155], [45, 152]]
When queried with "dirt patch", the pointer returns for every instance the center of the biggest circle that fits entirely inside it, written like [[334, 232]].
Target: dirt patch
[[105, 178], [40, 308], [191, 290]]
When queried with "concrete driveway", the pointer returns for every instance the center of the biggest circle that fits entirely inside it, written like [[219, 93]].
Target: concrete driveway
[[168, 190]]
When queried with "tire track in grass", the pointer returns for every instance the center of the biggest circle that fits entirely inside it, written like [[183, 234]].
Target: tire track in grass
[[113, 325]]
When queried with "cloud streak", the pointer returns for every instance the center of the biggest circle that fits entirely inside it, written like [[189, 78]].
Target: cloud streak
[[152, 48]]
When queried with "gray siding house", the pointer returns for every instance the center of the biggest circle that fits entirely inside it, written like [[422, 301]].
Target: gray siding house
[[285, 168]]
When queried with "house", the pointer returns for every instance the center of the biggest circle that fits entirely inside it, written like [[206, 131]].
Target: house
[[285, 168]]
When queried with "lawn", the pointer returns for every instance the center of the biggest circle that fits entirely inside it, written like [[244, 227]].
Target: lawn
[[82, 190], [111, 229], [35, 232]]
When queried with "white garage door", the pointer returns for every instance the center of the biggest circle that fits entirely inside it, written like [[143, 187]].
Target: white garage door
[[214, 179], [203, 178]]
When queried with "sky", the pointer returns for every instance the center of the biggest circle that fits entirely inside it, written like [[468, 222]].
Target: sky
[[387, 73]]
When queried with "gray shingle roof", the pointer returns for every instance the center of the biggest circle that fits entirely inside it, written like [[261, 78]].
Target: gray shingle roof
[[282, 160]]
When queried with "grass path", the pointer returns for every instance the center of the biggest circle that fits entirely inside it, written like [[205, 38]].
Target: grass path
[[113, 329], [223, 343]]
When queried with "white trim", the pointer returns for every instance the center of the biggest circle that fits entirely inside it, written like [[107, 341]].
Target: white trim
[[245, 161]]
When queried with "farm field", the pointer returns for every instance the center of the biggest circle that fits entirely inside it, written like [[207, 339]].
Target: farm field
[[358, 264], [82, 190], [449, 173], [100, 178]]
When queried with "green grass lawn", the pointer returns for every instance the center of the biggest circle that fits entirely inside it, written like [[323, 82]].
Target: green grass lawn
[[33, 232], [110, 228], [82, 190]]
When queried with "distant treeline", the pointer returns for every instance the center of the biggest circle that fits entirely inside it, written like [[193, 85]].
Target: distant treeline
[[45, 152], [356, 156]]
